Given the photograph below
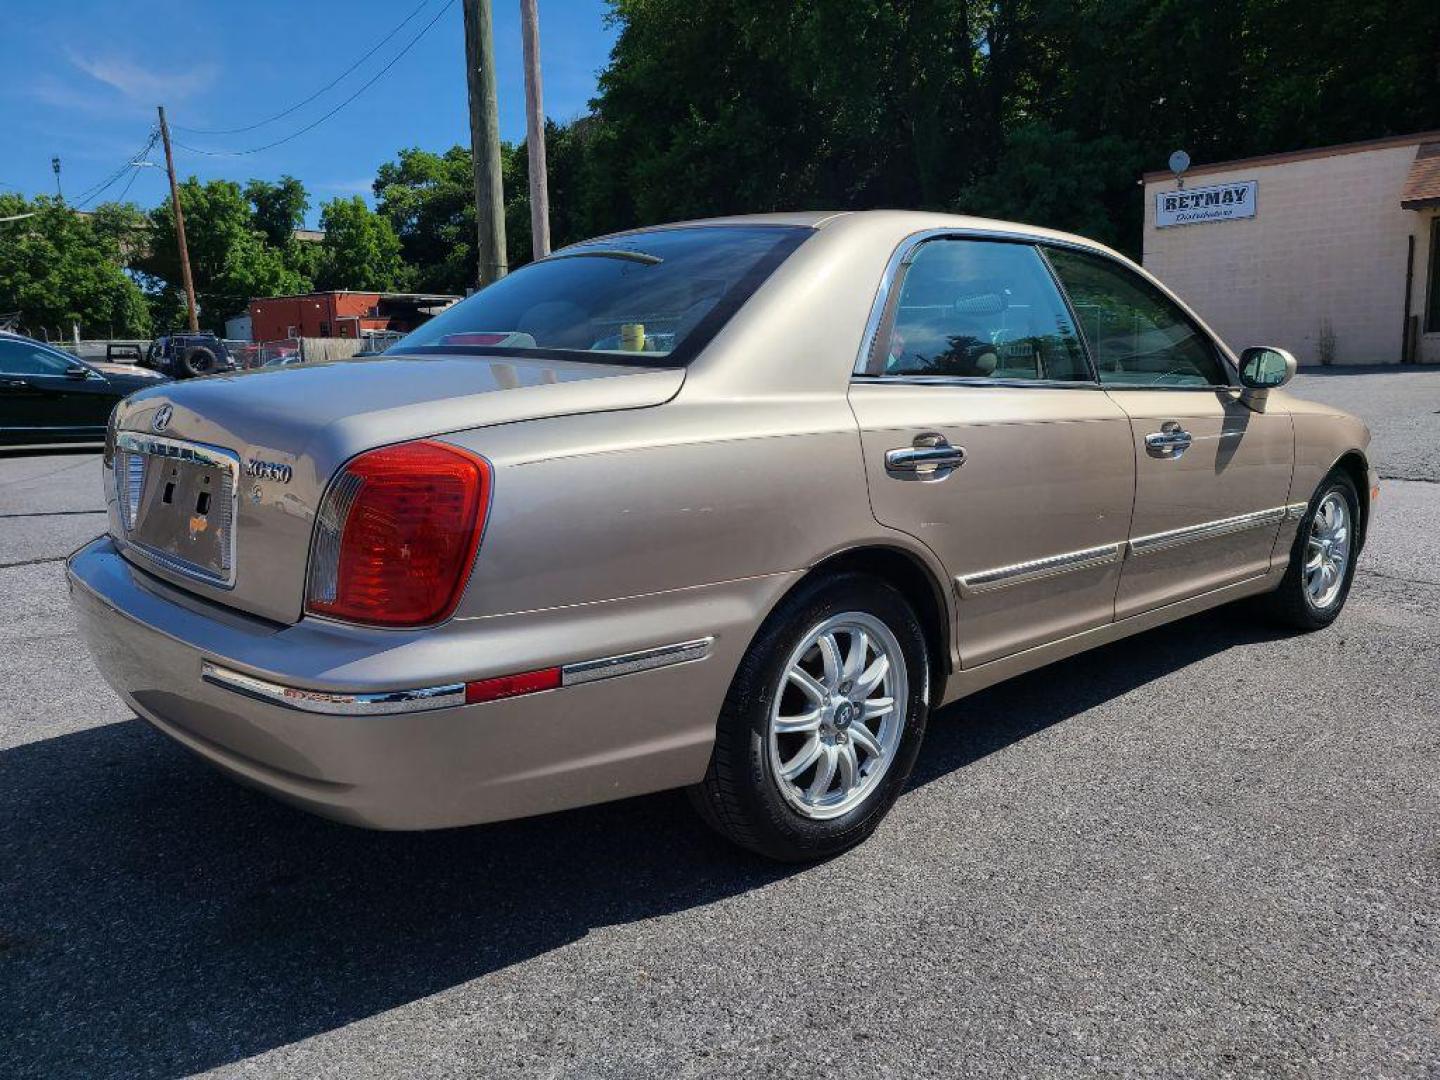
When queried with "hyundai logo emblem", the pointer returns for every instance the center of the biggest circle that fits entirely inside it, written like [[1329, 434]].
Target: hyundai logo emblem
[[161, 420]]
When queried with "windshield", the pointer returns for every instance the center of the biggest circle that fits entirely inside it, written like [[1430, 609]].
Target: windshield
[[654, 297]]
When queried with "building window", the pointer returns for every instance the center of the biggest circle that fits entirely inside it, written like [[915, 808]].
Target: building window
[[324, 329], [1432, 303]]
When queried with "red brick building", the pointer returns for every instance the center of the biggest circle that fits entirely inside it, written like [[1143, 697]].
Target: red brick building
[[341, 313]]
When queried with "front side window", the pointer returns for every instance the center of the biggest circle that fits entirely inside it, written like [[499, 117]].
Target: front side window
[[1137, 335], [650, 297], [978, 309], [23, 358]]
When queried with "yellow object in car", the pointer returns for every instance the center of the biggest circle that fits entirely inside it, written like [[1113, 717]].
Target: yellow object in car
[[632, 337]]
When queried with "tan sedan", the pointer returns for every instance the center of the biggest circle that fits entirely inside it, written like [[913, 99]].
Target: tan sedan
[[728, 505]]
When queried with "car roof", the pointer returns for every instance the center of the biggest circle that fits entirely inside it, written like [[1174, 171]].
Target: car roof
[[903, 222], [10, 335]]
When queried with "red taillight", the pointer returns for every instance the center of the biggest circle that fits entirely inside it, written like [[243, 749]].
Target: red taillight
[[396, 535]]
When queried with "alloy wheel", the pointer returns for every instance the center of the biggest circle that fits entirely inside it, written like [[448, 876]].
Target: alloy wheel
[[1327, 550], [838, 715]]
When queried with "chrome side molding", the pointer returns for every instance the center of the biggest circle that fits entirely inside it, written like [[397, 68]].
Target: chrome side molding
[[1036, 569], [1208, 530], [1002, 577]]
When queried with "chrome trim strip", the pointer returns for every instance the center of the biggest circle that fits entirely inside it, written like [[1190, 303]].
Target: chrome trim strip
[[134, 442], [1207, 530], [1296, 511], [439, 697], [628, 663], [972, 380], [321, 701], [1037, 569], [159, 446]]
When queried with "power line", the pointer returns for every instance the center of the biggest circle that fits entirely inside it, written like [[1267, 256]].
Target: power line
[[316, 123], [300, 104], [139, 164], [93, 192]]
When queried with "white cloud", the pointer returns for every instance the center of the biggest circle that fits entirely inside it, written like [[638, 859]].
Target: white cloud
[[152, 86]]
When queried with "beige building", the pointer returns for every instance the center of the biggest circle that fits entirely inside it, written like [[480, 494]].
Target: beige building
[[1332, 253]]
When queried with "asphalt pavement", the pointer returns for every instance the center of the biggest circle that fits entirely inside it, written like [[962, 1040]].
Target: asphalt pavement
[[1209, 850]]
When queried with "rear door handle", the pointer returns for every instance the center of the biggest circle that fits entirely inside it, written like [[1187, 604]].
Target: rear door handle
[[14, 384], [931, 456], [1169, 442]]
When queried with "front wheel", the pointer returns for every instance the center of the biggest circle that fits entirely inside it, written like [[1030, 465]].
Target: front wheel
[[822, 723], [1322, 561]]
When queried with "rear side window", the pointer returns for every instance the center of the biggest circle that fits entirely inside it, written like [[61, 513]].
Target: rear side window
[[979, 309], [651, 297], [22, 358], [1137, 335]]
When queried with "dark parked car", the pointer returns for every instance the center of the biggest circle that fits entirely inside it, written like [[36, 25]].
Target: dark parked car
[[187, 356], [48, 396]]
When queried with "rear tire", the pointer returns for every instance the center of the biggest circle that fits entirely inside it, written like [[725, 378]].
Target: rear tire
[[805, 768], [1322, 559]]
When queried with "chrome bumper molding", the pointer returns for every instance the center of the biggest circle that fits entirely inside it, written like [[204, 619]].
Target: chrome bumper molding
[[420, 699], [322, 701], [628, 663]]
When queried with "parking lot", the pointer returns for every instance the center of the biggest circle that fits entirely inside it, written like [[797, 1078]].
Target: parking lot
[[1210, 850]]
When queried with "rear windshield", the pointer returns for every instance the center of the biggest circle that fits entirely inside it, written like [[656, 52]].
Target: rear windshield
[[654, 297]]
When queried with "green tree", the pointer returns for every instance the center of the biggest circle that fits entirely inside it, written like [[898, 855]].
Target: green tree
[[278, 209], [1053, 178], [60, 269], [230, 258], [429, 200], [360, 250]]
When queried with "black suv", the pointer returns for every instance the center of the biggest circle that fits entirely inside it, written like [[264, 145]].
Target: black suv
[[186, 356]]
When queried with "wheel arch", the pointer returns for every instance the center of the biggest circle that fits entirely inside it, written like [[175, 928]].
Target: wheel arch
[[1353, 463], [914, 579]]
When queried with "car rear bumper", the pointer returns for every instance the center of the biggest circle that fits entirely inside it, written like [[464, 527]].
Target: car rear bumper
[[208, 677]]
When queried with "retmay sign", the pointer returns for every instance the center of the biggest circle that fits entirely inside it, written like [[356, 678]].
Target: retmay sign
[[1190, 206]]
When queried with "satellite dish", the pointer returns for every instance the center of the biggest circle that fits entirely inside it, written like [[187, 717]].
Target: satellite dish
[[1179, 162]]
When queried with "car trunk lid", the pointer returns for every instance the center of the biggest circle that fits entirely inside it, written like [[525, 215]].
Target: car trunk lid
[[215, 482]]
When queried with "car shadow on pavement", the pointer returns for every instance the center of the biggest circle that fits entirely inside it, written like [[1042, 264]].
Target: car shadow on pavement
[[157, 919]]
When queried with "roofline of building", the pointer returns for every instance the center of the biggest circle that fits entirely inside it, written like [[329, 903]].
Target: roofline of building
[[1298, 155], [360, 292]]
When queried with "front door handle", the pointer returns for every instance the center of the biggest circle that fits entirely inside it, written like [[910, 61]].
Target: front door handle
[[931, 456], [1170, 441]]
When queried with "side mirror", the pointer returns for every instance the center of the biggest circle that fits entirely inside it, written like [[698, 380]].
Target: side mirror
[[1266, 368]]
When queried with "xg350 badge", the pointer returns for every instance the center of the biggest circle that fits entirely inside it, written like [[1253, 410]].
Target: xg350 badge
[[268, 470]]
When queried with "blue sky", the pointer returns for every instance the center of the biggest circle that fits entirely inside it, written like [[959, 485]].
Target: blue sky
[[81, 79]]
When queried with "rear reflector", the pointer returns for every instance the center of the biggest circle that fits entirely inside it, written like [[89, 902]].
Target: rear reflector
[[396, 535], [511, 685]]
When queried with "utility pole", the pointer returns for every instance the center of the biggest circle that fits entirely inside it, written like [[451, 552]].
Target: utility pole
[[55, 167], [535, 131], [179, 227], [485, 142]]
